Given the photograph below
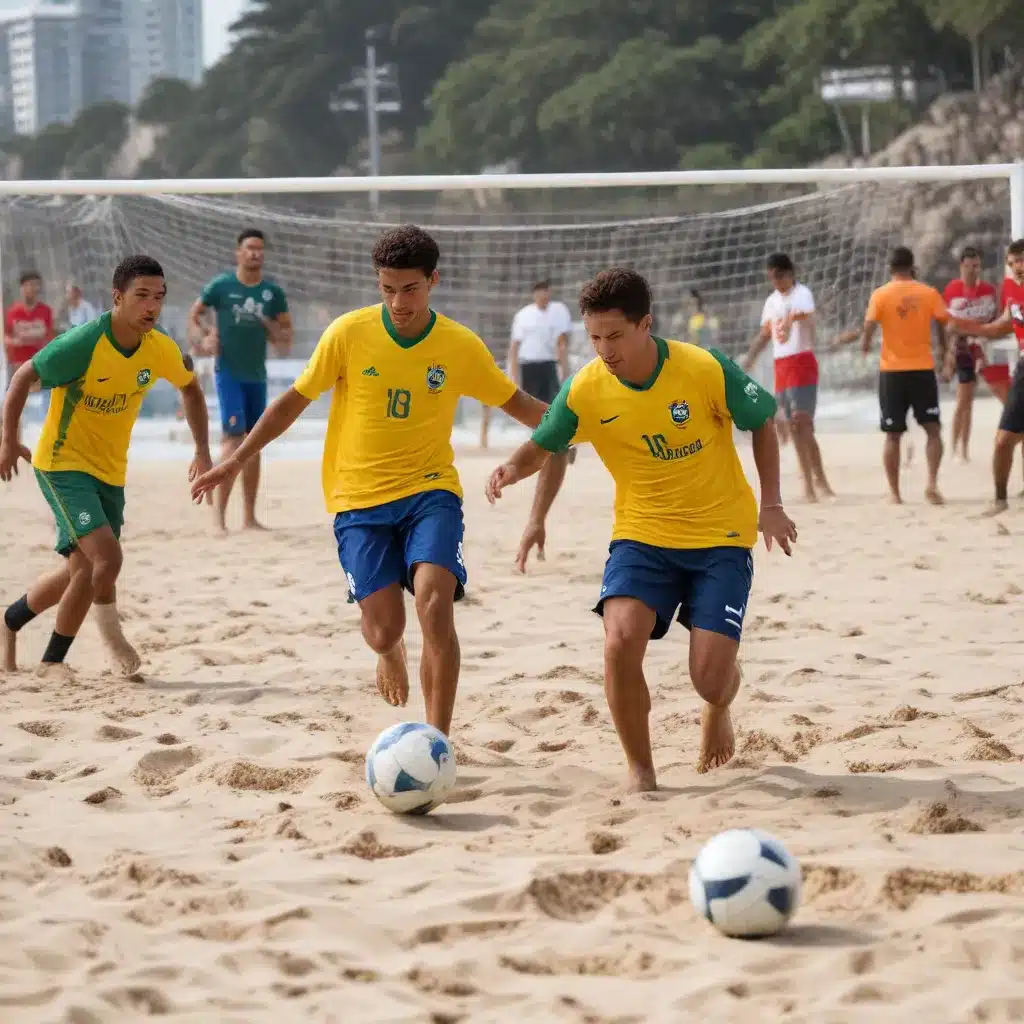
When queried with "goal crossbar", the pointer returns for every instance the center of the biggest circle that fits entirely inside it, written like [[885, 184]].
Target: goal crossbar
[[472, 182]]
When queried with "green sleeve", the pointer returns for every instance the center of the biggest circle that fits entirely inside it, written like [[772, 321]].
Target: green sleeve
[[280, 300], [559, 425], [749, 405], [211, 293], [67, 358]]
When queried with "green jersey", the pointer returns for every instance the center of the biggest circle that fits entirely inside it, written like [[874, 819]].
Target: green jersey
[[240, 311]]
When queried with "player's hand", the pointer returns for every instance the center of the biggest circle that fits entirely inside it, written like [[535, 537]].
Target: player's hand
[[205, 484], [534, 536], [504, 476], [211, 342], [9, 455], [776, 526], [200, 466]]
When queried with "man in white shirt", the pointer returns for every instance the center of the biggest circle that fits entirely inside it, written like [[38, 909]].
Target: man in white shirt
[[80, 310], [538, 361], [788, 322]]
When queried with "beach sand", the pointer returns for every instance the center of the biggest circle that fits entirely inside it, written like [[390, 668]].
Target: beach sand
[[201, 845]]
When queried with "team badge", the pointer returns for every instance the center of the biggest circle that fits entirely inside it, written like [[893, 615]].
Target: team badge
[[750, 390], [436, 376], [143, 377], [680, 412], [267, 294]]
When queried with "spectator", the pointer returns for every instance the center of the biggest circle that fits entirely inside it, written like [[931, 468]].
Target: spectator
[[28, 325], [80, 310]]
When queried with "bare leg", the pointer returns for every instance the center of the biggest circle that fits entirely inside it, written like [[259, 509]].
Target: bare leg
[[803, 436], [250, 488], [962, 416], [891, 463], [820, 480], [485, 425], [441, 658], [41, 596], [627, 630], [716, 677], [383, 625], [1002, 464], [228, 446], [933, 457]]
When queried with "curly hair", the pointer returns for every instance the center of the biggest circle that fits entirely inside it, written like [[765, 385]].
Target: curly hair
[[617, 289], [406, 248]]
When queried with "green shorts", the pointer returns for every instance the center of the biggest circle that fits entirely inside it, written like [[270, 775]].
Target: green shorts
[[80, 504]]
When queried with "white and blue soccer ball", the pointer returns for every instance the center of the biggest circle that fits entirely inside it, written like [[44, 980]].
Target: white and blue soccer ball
[[411, 768], [745, 883]]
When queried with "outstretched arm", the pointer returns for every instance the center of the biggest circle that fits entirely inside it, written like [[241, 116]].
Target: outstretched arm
[[525, 409], [979, 329], [867, 335], [197, 416], [282, 412], [526, 460], [757, 346], [11, 448]]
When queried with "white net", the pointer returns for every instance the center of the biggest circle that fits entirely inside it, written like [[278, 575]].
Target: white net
[[714, 240]]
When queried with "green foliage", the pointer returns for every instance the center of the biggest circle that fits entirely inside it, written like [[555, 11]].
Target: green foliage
[[546, 85]]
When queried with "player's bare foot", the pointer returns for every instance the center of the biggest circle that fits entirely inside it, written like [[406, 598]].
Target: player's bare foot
[[126, 660], [393, 676], [811, 497], [895, 499], [998, 507], [254, 524], [824, 490], [641, 780], [54, 672], [10, 644], [717, 739], [933, 497]]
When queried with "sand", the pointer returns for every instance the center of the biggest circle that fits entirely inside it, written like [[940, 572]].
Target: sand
[[201, 845]]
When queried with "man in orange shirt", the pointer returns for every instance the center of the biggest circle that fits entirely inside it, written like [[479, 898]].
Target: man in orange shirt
[[905, 309]]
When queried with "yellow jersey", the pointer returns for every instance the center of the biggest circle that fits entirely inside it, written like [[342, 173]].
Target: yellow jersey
[[394, 403], [668, 445], [98, 388]]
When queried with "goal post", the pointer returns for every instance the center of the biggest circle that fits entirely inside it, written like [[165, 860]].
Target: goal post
[[703, 230]]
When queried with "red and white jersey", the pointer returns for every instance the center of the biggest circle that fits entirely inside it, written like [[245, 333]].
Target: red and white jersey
[[971, 303], [1012, 299], [789, 337]]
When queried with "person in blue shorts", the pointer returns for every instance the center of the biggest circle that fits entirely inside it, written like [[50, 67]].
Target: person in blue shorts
[[250, 310], [660, 415]]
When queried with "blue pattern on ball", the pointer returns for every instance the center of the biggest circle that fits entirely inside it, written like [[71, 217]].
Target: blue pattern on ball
[[438, 749], [405, 783], [393, 735], [723, 888], [771, 852], [781, 899]]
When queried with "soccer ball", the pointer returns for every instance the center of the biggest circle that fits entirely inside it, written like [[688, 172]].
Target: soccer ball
[[411, 768], [745, 883]]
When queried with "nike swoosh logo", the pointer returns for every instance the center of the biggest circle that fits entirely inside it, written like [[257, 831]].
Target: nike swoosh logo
[[610, 418], [102, 380]]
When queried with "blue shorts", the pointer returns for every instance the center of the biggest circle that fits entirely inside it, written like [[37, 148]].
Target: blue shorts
[[241, 402], [708, 586], [381, 545]]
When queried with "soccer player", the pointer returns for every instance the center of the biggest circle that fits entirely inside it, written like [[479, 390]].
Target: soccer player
[[397, 370], [100, 373], [971, 298], [788, 322], [1011, 425], [250, 311], [28, 325], [660, 415], [905, 309]]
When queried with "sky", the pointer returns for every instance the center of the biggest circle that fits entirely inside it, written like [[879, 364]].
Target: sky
[[217, 16]]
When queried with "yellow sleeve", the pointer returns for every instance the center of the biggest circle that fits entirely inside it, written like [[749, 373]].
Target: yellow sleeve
[[175, 365], [326, 365], [480, 376]]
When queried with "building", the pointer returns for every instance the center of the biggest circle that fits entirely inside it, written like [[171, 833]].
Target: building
[[44, 66], [59, 56], [166, 42]]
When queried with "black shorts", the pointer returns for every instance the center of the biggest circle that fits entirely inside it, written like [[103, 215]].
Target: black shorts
[[899, 391], [540, 380], [966, 371], [1012, 419]]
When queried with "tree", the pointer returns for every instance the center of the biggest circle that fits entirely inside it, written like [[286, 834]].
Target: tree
[[981, 22], [165, 100]]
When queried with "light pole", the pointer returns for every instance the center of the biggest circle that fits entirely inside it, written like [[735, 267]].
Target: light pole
[[371, 80]]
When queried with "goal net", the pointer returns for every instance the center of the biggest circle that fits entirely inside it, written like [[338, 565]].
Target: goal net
[[494, 245]]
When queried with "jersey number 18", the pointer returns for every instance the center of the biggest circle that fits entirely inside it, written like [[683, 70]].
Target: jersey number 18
[[398, 404]]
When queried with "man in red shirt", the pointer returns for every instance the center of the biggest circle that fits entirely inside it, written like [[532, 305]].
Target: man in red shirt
[[971, 298], [1011, 425], [28, 325]]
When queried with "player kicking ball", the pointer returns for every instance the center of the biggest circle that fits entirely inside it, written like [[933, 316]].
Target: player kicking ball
[[99, 372], [660, 415], [397, 370]]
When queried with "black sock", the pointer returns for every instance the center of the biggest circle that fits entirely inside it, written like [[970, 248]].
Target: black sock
[[19, 614], [57, 649]]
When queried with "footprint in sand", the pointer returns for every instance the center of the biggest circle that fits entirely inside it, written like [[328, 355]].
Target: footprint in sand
[[159, 767], [45, 730], [114, 733], [250, 776]]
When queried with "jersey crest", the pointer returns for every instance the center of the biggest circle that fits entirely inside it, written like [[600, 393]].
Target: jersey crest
[[680, 412], [436, 376], [143, 377]]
